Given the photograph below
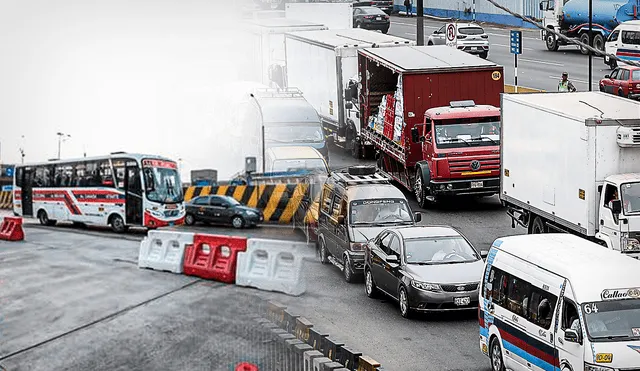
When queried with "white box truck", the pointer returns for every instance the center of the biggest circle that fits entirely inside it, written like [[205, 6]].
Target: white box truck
[[571, 163], [322, 64]]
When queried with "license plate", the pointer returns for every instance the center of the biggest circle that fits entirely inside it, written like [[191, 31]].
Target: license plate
[[476, 184], [462, 301], [378, 18], [171, 207], [170, 224]]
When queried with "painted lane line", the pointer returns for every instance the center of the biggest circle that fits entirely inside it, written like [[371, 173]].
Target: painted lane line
[[507, 46], [508, 36], [541, 62]]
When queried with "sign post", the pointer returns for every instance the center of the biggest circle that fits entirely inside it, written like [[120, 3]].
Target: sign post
[[451, 32], [516, 49]]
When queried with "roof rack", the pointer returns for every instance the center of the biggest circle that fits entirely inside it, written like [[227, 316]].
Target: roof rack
[[348, 179], [276, 93]]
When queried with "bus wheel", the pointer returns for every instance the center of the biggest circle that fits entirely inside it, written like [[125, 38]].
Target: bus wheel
[[44, 218], [117, 224]]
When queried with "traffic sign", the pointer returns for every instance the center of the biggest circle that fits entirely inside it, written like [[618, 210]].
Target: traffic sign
[[9, 171], [451, 34], [7, 188], [516, 42]]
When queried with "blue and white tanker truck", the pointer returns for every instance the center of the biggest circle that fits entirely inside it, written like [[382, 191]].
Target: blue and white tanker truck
[[571, 18]]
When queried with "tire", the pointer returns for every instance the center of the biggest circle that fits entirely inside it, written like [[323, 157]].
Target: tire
[[370, 287], [237, 222], [43, 217], [484, 55], [429, 43], [601, 88], [358, 25], [598, 42], [385, 31], [613, 64], [117, 224], [551, 42], [347, 272], [189, 219], [537, 226], [324, 254], [403, 301], [584, 38], [495, 355], [620, 93], [419, 190]]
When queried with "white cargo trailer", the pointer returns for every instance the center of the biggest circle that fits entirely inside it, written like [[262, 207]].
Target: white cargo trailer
[[266, 50], [571, 163], [322, 64]]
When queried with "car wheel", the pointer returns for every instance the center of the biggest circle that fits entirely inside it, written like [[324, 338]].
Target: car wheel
[[237, 222], [403, 300], [324, 254], [358, 25], [117, 224], [385, 30], [620, 93], [484, 55], [602, 88], [497, 363], [348, 273], [429, 43], [370, 286], [189, 219]]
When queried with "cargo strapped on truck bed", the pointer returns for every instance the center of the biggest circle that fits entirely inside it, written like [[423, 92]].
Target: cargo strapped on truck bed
[[348, 179], [385, 144]]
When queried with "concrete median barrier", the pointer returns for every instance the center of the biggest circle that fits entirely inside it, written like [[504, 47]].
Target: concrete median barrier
[[164, 250], [521, 89], [11, 229], [213, 257]]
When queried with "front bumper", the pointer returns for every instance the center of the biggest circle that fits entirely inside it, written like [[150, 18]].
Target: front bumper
[[357, 261], [426, 301], [635, 96], [455, 187], [252, 219]]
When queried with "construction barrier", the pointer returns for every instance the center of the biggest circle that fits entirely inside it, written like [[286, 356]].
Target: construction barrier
[[164, 250], [11, 229], [273, 266], [311, 349], [213, 257], [6, 200], [521, 89], [278, 202]]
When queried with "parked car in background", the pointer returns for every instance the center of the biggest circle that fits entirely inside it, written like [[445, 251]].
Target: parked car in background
[[471, 39], [371, 18], [425, 269], [221, 210], [384, 5], [623, 81]]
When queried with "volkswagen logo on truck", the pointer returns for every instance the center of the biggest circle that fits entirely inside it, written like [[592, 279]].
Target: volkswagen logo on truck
[[475, 165]]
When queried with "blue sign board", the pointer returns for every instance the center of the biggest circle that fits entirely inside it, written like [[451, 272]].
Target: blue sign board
[[7, 188], [516, 42], [9, 171]]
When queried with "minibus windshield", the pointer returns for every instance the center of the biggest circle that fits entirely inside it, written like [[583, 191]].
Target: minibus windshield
[[613, 320]]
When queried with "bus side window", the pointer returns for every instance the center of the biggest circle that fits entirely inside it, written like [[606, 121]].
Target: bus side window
[[498, 284], [326, 200]]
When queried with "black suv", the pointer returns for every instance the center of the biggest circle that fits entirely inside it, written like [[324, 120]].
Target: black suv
[[355, 206]]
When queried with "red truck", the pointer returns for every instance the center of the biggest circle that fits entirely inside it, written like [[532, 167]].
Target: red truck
[[432, 114]]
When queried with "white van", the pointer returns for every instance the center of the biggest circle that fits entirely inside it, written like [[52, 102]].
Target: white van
[[626, 39], [559, 302]]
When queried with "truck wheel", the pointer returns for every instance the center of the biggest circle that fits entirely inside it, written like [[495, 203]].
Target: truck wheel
[[419, 190], [584, 38], [538, 227], [613, 64], [552, 43], [598, 42]]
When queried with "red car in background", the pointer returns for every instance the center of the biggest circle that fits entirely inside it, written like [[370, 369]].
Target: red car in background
[[623, 81]]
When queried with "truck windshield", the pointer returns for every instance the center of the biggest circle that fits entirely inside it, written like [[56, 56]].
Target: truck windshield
[[631, 197], [380, 211], [294, 133], [452, 134], [613, 320]]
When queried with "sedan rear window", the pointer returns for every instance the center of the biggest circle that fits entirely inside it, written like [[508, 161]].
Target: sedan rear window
[[470, 30], [373, 10]]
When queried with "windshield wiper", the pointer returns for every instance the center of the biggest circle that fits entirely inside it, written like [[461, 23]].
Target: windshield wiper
[[483, 138], [459, 140], [613, 337]]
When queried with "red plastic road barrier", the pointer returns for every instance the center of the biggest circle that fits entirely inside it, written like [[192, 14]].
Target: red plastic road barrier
[[213, 257], [245, 366], [11, 229]]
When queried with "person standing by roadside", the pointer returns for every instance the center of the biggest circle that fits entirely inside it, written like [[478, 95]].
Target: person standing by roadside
[[408, 6], [565, 85]]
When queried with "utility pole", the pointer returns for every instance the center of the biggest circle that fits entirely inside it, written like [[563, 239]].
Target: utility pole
[[420, 22], [22, 150], [590, 42], [61, 137]]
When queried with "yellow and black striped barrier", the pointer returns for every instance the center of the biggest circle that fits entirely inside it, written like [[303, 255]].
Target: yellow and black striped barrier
[[278, 202], [6, 200], [521, 89]]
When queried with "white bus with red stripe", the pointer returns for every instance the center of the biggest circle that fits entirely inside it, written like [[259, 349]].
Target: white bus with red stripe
[[120, 190]]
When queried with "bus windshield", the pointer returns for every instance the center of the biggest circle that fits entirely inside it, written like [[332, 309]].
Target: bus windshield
[[162, 181]]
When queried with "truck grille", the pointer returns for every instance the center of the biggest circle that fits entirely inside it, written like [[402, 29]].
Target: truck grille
[[454, 288], [464, 164], [636, 136]]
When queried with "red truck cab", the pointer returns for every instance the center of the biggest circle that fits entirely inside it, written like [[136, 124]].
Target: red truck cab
[[460, 151]]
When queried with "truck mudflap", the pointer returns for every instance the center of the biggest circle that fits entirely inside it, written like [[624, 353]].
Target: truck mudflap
[[461, 187]]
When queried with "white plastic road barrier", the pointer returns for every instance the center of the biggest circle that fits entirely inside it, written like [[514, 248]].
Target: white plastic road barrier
[[273, 265], [164, 250]]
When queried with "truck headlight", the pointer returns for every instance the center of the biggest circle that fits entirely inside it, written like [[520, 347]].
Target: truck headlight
[[590, 367], [357, 246], [629, 244], [426, 286]]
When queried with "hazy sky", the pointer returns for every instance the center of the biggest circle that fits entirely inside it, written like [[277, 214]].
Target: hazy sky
[[119, 75]]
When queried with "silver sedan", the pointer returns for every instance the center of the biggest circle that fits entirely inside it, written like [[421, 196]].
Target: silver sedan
[[471, 38]]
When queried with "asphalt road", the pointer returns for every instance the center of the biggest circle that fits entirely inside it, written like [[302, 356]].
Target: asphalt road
[[537, 67]]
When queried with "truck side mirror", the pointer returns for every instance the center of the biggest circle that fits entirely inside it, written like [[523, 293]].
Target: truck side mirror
[[542, 5], [415, 135], [607, 76], [340, 219], [347, 94], [616, 207], [348, 105], [418, 217]]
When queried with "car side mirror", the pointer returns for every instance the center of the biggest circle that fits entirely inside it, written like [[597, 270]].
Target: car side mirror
[[392, 259], [484, 254], [340, 219], [572, 336], [616, 207], [418, 217], [349, 105], [607, 76], [415, 135]]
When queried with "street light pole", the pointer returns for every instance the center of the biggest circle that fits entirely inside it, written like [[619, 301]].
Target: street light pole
[[60, 136], [590, 43], [420, 22]]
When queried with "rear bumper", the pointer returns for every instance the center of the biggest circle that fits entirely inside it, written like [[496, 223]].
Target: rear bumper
[[375, 26], [455, 187], [474, 49]]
